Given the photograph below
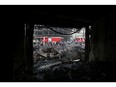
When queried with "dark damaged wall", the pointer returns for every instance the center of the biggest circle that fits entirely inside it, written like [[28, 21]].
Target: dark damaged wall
[[19, 57], [13, 60], [103, 45], [23, 55]]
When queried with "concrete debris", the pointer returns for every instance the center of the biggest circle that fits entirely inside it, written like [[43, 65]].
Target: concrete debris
[[70, 71], [48, 65], [56, 62], [67, 52]]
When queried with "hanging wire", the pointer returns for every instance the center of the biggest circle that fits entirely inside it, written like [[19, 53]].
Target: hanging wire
[[77, 30]]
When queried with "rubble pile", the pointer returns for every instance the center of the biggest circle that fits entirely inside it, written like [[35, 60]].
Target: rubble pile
[[69, 71], [65, 64], [62, 52], [58, 62]]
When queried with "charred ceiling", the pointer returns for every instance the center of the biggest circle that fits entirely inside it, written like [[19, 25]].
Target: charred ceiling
[[68, 16], [58, 15]]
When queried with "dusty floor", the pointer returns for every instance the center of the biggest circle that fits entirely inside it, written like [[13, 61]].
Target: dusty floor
[[71, 71]]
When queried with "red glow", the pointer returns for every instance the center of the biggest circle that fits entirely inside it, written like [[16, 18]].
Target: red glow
[[56, 39]]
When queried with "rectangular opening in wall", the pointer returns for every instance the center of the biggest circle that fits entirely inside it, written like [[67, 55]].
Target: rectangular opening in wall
[[55, 48]]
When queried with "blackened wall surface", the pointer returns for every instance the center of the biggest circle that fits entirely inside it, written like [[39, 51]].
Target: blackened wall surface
[[103, 39]]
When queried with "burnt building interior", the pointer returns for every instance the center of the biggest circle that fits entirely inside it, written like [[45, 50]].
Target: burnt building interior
[[97, 64]]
